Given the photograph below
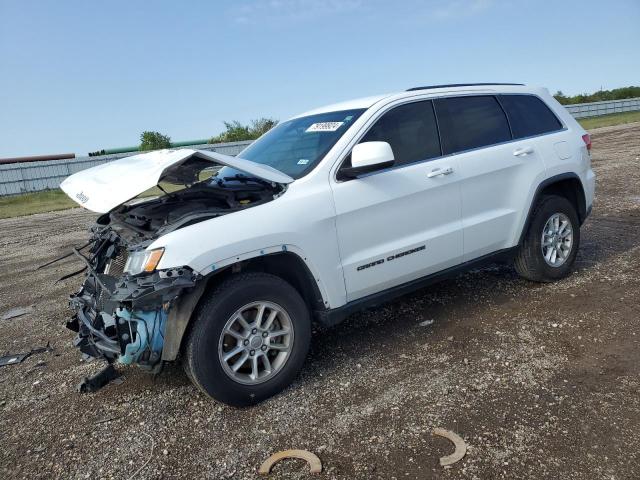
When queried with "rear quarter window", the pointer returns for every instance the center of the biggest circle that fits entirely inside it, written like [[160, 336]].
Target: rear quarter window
[[471, 122], [529, 115]]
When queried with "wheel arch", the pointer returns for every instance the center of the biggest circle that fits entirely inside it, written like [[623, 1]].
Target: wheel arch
[[567, 185], [285, 264]]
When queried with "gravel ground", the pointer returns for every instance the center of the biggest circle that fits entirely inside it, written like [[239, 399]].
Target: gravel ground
[[542, 381]]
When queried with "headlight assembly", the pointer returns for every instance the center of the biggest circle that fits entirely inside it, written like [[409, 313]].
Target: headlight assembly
[[143, 261]]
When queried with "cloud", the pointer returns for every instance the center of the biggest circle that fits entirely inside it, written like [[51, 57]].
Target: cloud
[[460, 8], [270, 11], [288, 11]]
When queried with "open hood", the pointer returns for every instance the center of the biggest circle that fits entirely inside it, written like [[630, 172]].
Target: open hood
[[102, 188]]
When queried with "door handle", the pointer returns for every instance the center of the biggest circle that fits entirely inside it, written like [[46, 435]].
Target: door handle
[[440, 171], [521, 152]]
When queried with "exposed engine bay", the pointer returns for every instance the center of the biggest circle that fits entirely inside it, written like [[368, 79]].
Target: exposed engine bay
[[151, 218], [122, 308]]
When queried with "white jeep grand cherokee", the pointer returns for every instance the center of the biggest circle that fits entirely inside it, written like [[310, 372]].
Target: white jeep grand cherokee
[[334, 210]]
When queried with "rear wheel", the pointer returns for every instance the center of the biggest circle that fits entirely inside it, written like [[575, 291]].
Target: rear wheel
[[551, 243], [248, 340]]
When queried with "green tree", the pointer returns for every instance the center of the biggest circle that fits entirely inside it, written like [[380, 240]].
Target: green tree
[[262, 125], [561, 97], [236, 131], [599, 96], [153, 141]]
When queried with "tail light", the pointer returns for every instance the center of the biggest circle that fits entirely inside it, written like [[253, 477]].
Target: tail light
[[586, 138]]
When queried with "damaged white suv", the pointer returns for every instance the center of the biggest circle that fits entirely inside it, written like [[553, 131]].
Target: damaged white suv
[[333, 210]]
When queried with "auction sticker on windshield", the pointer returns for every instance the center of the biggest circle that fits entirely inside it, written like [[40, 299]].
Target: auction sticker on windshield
[[324, 127]]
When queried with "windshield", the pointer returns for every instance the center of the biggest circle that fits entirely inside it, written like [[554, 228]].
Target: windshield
[[295, 147]]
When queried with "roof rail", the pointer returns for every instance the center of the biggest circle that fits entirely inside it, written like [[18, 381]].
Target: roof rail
[[428, 87]]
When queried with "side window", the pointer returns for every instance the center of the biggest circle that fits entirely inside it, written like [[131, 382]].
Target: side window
[[410, 130], [529, 115], [471, 122]]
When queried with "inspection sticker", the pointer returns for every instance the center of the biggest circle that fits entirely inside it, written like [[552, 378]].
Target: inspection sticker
[[324, 127], [303, 161]]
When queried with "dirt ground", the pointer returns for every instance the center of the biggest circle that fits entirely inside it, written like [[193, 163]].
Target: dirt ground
[[541, 381]]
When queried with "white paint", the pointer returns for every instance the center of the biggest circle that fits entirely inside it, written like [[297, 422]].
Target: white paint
[[479, 206], [102, 188], [371, 153]]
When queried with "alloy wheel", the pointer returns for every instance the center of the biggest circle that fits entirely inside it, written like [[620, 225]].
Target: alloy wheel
[[557, 239], [256, 342]]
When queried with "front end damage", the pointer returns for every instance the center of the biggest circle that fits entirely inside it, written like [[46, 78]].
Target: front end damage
[[127, 310], [122, 317]]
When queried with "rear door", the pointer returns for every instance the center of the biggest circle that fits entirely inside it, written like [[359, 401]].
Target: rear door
[[532, 120], [496, 170], [401, 223]]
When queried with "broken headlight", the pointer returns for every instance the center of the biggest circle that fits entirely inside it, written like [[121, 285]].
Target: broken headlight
[[143, 261]]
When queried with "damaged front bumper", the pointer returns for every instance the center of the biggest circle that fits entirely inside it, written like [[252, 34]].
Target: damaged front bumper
[[124, 318]]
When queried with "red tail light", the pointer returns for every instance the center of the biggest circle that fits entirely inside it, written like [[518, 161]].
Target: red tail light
[[586, 138]]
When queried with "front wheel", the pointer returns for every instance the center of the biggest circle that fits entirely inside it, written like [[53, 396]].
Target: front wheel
[[248, 340], [550, 246]]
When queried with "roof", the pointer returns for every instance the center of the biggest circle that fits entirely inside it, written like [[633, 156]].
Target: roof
[[368, 102], [365, 102]]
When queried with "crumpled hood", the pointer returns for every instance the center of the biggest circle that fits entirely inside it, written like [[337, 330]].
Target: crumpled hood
[[102, 188]]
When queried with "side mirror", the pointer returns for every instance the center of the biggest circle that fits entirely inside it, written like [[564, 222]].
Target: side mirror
[[368, 157]]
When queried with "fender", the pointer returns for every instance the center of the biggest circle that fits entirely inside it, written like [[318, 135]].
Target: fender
[[269, 251], [183, 307], [583, 212]]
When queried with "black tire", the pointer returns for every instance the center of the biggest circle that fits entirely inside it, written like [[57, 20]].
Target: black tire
[[530, 262], [201, 360]]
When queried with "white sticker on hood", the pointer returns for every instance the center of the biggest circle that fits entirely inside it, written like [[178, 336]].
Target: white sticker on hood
[[324, 127]]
